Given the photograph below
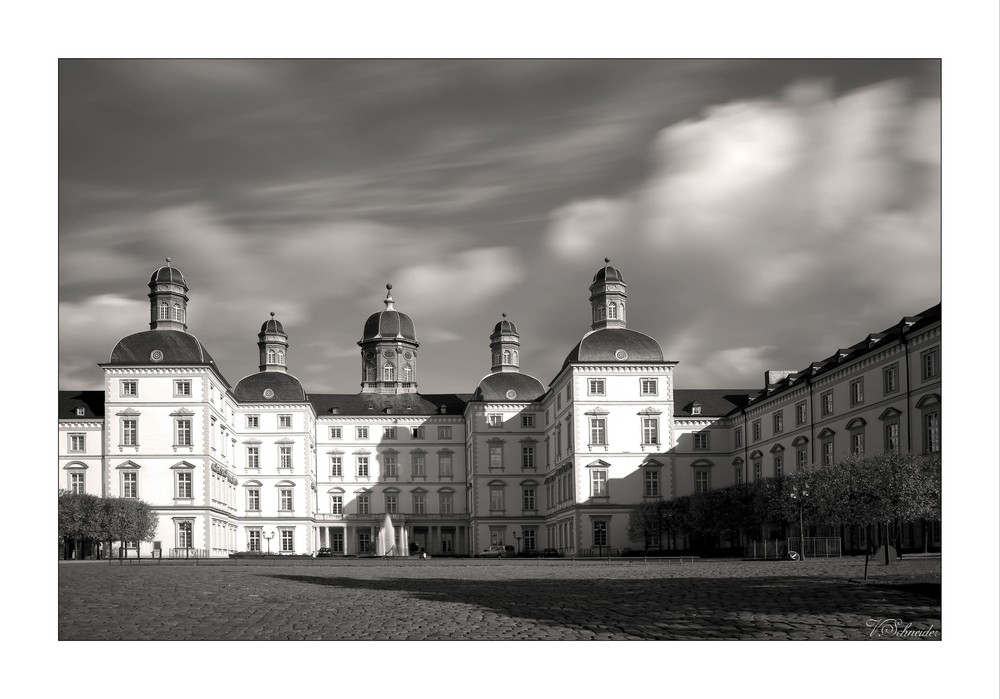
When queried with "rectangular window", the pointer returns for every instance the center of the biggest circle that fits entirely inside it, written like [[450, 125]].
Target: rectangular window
[[932, 433], [388, 433], [284, 457], [569, 435], [929, 364], [288, 541], [336, 467], [755, 427], [778, 422], [529, 540], [527, 457], [336, 504], [598, 431], [595, 387], [364, 504], [650, 430], [364, 542], [444, 465], [285, 421], [391, 504], [285, 499], [184, 485], [419, 504], [558, 402], [253, 540], [648, 387], [890, 379], [701, 440], [528, 499], [253, 457], [651, 482], [76, 483], [738, 437], [528, 420], [389, 466], [184, 535], [738, 475], [253, 421], [253, 499], [779, 466], [857, 442], [857, 392], [337, 540], [336, 432], [444, 433], [600, 533], [446, 503], [183, 433], [496, 456], [130, 433], [800, 458], [182, 389], [701, 481], [892, 437], [494, 420], [129, 389], [418, 433], [418, 464], [758, 471], [800, 413], [827, 402], [828, 453], [496, 499], [363, 466], [130, 484], [361, 433], [598, 483], [77, 442]]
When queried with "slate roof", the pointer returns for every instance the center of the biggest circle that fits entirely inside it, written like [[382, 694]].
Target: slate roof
[[389, 325], [493, 388], [168, 275], [601, 345], [379, 404], [715, 402], [91, 401], [286, 388], [177, 346]]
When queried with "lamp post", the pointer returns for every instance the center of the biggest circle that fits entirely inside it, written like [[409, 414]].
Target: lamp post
[[268, 538], [518, 540], [799, 496]]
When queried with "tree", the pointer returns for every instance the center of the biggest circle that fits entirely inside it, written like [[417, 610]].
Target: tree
[[77, 520], [125, 519], [647, 519]]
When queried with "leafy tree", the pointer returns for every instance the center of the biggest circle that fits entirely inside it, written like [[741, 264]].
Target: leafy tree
[[125, 519]]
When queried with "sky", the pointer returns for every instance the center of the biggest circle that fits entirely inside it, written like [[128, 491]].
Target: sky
[[764, 213]]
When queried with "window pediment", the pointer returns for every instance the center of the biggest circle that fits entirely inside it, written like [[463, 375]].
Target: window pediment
[[705, 463], [284, 484], [826, 433], [856, 424], [76, 465], [252, 484], [777, 449], [128, 464], [929, 399], [183, 412], [182, 465], [600, 463], [889, 414], [799, 441], [756, 454]]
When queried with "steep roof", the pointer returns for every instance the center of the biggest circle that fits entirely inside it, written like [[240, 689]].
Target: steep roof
[[92, 403], [494, 387], [283, 387], [175, 346], [715, 402], [355, 404]]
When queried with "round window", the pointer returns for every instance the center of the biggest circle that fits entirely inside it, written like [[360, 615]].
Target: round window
[[156, 355], [268, 393], [621, 355]]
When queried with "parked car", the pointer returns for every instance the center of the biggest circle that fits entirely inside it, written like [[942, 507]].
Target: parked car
[[551, 553], [493, 552], [324, 553]]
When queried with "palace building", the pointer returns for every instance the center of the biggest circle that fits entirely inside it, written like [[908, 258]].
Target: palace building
[[264, 465]]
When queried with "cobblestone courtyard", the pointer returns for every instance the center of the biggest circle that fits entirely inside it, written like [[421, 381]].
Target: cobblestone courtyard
[[517, 599]]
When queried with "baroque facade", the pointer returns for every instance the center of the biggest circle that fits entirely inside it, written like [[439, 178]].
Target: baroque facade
[[265, 466]]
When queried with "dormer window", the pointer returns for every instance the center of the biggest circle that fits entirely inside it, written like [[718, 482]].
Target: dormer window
[[81, 412], [696, 408]]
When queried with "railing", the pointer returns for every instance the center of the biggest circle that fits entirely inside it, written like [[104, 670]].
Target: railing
[[187, 553], [396, 517], [814, 546], [772, 549]]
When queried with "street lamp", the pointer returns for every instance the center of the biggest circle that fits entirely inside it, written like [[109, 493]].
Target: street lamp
[[268, 538], [800, 495], [518, 540]]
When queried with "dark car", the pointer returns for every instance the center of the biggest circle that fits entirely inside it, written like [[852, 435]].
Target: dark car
[[324, 553], [551, 553]]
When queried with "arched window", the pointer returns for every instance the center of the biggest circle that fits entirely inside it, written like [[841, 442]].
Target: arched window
[[515, 356], [270, 356], [407, 373], [612, 311], [177, 312], [281, 357], [369, 372], [506, 356], [164, 311], [388, 373]]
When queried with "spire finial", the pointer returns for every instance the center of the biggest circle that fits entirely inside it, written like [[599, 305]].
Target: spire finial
[[168, 262], [504, 315], [388, 298], [607, 260], [272, 314]]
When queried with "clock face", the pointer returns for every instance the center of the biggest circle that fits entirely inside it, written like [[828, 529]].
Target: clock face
[[156, 355]]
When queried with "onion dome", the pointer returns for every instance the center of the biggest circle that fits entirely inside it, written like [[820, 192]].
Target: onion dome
[[270, 387], [607, 273], [168, 275], [164, 347], [504, 327], [272, 327], [508, 387], [389, 324]]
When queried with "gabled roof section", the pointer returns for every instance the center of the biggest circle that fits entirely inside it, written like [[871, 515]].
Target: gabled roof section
[[92, 403], [372, 404]]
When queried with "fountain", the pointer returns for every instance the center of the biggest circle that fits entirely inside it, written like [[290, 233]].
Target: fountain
[[386, 544]]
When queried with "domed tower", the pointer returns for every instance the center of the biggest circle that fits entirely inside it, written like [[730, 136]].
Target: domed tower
[[272, 342], [505, 346], [389, 351], [607, 298], [168, 299]]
